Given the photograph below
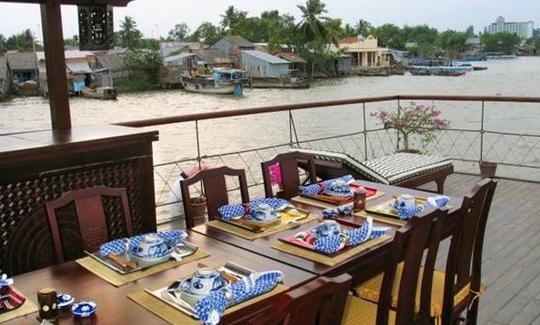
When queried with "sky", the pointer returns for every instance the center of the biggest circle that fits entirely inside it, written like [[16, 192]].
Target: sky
[[156, 17]]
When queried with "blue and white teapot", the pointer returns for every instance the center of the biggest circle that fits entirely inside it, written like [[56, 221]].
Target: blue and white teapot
[[339, 188], [150, 247], [263, 213]]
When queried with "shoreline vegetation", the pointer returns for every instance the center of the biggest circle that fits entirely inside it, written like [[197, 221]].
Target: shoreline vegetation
[[314, 37]]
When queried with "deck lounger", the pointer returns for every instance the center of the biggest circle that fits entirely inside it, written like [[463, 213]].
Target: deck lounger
[[401, 169]]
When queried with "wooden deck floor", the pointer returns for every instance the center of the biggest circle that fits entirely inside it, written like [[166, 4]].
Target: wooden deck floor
[[511, 257]]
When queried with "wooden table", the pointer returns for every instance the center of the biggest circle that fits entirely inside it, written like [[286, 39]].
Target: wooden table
[[113, 306], [370, 261]]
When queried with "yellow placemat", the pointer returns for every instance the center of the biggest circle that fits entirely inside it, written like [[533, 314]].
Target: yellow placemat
[[250, 235], [118, 280], [29, 307], [174, 316], [324, 205], [384, 219], [323, 259]]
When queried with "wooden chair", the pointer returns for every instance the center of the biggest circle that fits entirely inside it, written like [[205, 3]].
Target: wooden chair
[[290, 179], [459, 286], [320, 302], [215, 190], [90, 216], [408, 246], [462, 280]]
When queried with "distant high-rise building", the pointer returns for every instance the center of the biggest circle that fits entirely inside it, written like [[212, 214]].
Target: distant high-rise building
[[522, 29]]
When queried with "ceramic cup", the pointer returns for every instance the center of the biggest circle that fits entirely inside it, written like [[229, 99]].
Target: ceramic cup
[[151, 246], [264, 212], [327, 228], [339, 188], [206, 280], [406, 201]]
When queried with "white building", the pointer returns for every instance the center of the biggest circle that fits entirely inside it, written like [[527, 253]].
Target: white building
[[523, 29]]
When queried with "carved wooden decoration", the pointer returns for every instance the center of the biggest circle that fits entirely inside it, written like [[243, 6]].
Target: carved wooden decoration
[[96, 27]]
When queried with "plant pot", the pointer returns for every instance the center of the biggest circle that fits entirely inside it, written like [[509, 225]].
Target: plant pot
[[487, 169], [199, 212]]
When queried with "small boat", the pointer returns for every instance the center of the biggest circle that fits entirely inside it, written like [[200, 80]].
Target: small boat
[[221, 81], [473, 58], [479, 68], [419, 70], [100, 92], [449, 71], [290, 79]]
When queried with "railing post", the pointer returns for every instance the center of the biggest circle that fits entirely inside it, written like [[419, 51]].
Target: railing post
[[482, 132], [399, 117], [198, 143], [365, 130], [292, 130]]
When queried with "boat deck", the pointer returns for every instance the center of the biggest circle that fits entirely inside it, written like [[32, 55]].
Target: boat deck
[[511, 258]]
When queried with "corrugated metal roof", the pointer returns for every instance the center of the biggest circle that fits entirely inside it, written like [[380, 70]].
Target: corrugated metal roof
[[239, 41], [115, 62], [266, 57], [292, 57], [22, 60], [78, 67], [177, 57]]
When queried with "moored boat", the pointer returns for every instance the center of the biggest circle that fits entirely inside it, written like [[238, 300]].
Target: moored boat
[[290, 79], [221, 81], [100, 92]]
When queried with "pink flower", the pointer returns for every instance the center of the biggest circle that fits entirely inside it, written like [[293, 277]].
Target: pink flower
[[275, 173], [440, 122]]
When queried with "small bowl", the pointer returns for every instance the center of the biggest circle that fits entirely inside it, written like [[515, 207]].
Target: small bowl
[[64, 300], [84, 308]]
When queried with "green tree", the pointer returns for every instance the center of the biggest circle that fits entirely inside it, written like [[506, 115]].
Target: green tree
[[389, 35], [230, 18], [207, 33], [349, 31], [179, 32], [312, 25], [148, 43], [72, 42], [144, 65], [363, 28], [334, 30], [500, 42], [453, 42], [23, 41], [129, 36]]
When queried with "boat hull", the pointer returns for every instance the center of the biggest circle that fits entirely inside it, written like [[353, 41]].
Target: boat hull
[[209, 86]]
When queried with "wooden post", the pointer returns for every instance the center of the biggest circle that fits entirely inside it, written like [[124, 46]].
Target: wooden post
[[53, 42]]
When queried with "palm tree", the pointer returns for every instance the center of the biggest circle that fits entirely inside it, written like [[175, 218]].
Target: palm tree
[[334, 31], [311, 26], [231, 17], [362, 27], [129, 35]]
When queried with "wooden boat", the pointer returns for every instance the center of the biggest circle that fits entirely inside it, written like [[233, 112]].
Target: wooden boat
[[419, 70], [221, 81], [290, 79], [100, 92], [449, 71]]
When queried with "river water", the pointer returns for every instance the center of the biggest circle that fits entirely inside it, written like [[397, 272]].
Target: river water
[[519, 77]]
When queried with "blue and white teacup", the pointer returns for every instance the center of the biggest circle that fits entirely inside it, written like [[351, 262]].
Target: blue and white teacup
[[204, 281], [263, 213], [327, 228], [339, 188], [405, 201], [151, 246]]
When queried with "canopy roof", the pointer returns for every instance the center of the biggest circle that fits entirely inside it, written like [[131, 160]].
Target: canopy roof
[[116, 3]]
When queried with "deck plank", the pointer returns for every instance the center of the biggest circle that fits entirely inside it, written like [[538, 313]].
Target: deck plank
[[511, 258]]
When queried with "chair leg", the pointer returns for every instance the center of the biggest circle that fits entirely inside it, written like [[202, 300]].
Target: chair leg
[[472, 313], [440, 184]]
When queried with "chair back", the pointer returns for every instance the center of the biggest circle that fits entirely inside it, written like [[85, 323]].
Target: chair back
[[90, 216], [290, 178], [464, 264], [319, 302], [215, 190], [408, 246]]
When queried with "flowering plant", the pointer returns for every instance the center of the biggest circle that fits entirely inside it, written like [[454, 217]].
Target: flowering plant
[[413, 119], [275, 173]]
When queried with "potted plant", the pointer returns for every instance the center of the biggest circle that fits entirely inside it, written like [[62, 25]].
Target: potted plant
[[420, 120], [487, 169], [198, 203]]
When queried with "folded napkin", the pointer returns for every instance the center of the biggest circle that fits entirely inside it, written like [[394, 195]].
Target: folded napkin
[[119, 246], [235, 211], [438, 202], [315, 189], [332, 244], [407, 213], [210, 308]]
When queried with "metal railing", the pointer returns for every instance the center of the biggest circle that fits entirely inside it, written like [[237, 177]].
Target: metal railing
[[515, 151]]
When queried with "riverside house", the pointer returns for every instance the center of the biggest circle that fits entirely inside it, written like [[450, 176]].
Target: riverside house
[[261, 64], [232, 46], [4, 77], [365, 52]]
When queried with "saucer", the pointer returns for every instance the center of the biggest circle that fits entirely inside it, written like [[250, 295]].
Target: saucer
[[84, 308], [64, 300], [192, 298], [151, 260]]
